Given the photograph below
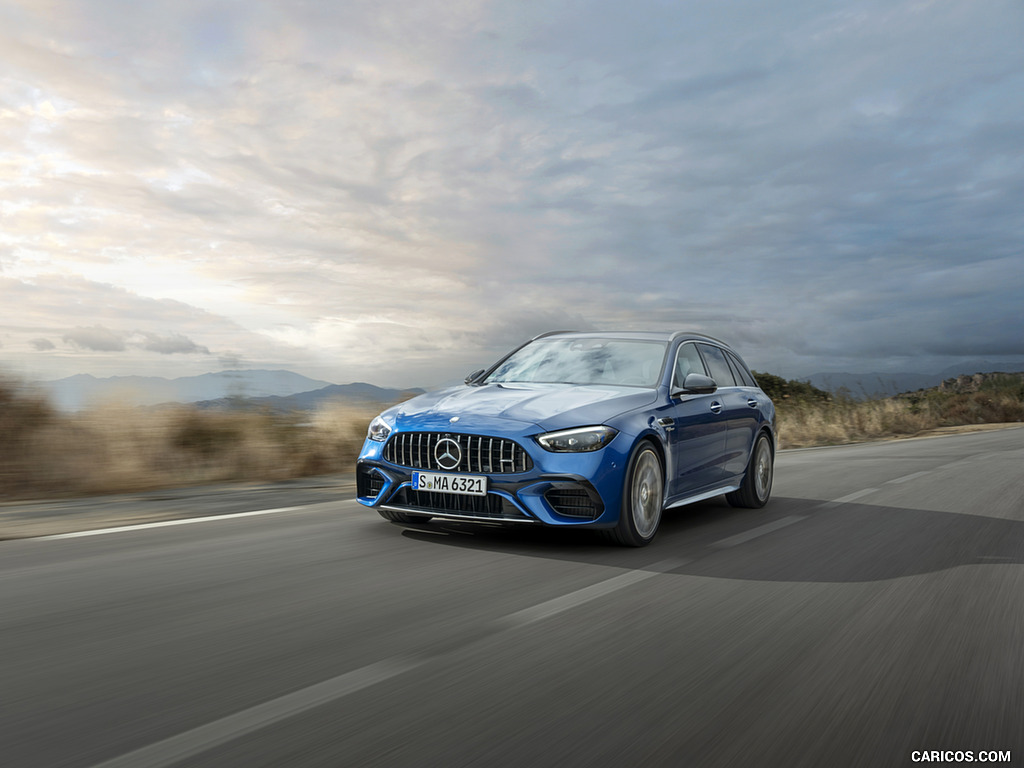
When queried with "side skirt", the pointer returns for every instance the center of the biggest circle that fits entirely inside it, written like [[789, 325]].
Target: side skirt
[[702, 496]]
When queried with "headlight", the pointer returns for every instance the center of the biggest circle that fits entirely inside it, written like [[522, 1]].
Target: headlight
[[379, 430], [577, 440]]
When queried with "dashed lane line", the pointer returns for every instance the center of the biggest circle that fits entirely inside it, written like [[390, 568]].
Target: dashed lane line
[[193, 742], [205, 737], [767, 528], [190, 743], [585, 595], [847, 498], [907, 478], [761, 530]]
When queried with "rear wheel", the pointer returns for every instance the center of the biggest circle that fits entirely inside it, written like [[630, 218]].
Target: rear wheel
[[757, 483], [642, 499]]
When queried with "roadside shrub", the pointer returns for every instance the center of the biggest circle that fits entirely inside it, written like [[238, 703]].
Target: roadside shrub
[[779, 389], [109, 449], [26, 419]]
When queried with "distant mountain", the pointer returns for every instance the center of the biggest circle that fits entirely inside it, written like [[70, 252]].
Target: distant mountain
[[864, 386], [357, 392], [874, 385], [76, 392]]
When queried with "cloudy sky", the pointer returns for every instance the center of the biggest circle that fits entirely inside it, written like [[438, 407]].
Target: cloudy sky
[[399, 190]]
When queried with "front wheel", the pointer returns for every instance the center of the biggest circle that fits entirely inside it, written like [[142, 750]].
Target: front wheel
[[642, 499], [757, 483]]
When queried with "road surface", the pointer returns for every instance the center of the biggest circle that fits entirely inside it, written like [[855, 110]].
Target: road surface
[[873, 610]]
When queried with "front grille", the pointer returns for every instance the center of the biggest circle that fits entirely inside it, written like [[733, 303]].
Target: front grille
[[573, 502], [480, 455], [489, 507], [369, 483]]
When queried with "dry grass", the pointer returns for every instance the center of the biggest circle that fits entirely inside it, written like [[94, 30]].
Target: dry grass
[[113, 449], [807, 423]]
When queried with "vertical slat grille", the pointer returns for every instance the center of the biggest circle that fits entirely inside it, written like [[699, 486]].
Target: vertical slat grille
[[480, 455]]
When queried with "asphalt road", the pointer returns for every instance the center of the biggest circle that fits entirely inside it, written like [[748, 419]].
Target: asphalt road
[[875, 608]]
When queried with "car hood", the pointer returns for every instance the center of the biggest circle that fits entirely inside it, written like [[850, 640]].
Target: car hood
[[518, 406]]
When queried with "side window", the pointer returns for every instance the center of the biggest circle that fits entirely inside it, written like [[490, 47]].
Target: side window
[[718, 365], [687, 361], [743, 376]]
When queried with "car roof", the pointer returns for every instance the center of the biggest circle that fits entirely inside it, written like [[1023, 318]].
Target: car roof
[[633, 335]]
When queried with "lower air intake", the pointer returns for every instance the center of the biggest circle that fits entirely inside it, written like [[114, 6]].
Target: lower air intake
[[573, 502]]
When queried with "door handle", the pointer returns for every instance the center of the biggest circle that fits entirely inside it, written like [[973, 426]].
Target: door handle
[[716, 407], [752, 402]]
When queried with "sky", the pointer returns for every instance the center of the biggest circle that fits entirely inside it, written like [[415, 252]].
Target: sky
[[399, 191]]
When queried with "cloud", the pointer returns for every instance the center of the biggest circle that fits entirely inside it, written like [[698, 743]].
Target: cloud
[[42, 345], [175, 343], [96, 338], [399, 189], [100, 339], [52, 302]]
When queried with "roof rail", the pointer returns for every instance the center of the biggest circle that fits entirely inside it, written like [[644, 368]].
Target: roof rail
[[698, 334]]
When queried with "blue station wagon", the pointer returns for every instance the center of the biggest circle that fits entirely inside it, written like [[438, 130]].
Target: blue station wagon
[[588, 430]]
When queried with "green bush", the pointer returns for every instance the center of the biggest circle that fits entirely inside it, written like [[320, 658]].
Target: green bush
[[780, 389]]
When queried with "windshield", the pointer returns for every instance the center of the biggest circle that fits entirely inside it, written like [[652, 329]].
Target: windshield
[[619, 362]]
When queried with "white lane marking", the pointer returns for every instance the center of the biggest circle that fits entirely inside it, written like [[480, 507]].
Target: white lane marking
[[905, 478], [191, 743], [165, 523], [761, 530], [585, 595], [847, 498]]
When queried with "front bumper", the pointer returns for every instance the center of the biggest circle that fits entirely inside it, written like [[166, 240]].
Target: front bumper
[[561, 489]]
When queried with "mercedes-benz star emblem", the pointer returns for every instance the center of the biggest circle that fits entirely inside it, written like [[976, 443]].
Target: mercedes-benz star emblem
[[447, 453]]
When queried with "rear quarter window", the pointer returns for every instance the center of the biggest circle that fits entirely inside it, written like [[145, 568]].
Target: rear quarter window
[[743, 376]]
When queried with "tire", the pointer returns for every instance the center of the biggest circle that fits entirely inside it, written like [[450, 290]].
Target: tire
[[643, 495], [401, 517], [757, 482]]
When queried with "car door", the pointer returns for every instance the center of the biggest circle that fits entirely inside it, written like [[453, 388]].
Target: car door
[[744, 426], [735, 411], [696, 431]]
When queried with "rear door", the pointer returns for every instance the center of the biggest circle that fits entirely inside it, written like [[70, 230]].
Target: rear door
[[743, 428]]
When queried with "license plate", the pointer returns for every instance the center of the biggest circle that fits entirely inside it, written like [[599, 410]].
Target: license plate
[[467, 485]]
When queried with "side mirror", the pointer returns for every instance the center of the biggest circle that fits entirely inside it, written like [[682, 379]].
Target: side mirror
[[697, 384], [474, 376]]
